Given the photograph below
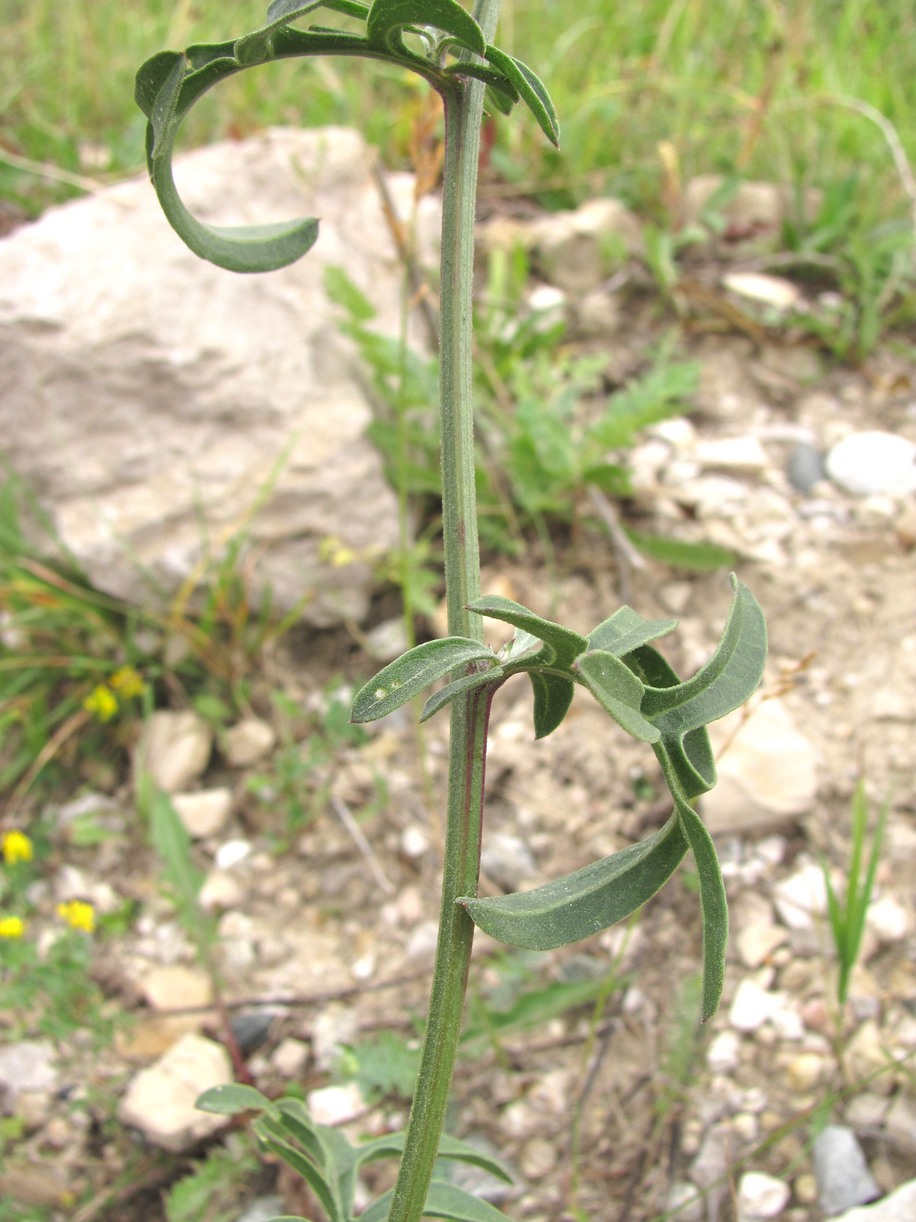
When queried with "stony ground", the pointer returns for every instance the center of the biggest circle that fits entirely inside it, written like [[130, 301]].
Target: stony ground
[[621, 1107]]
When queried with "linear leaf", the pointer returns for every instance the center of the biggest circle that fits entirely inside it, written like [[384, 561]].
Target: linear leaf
[[713, 904], [302, 1165], [552, 697], [530, 89], [409, 674], [626, 630], [619, 692], [438, 700], [730, 676], [450, 1148], [388, 19], [586, 901], [231, 1099], [565, 645]]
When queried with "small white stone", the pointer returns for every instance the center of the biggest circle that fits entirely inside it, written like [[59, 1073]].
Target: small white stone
[[220, 890], [247, 742], [773, 291], [290, 1057], [160, 1101], [724, 1052], [802, 897], [204, 813], [873, 463], [232, 853], [336, 1105], [414, 842], [887, 919], [761, 1196], [732, 454], [173, 749], [538, 1158], [175, 986]]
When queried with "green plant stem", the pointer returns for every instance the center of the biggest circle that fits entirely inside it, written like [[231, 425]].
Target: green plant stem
[[468, 743]]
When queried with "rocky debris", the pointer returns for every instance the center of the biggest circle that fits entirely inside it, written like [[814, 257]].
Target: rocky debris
[[173, 750], [135, 398], [873, 463], [898, 1206], [761, 1196], [752, 211], [160, 1101], [767, 773], [842, 1173], [27, 1068], [247, 742], [204, 813]]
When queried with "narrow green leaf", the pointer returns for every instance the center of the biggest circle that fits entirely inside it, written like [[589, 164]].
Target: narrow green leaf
[[681, 553], [442, 1201], [530, 89], [712, 903], [626, 630], [409, 674], [565, 645], [586, 901], [438, 700], [274, 1139], [388, 19], [619, 692], [232, 1099], [730, 676], [494, 80], [451, 1148], [256, 47], [552, 697]]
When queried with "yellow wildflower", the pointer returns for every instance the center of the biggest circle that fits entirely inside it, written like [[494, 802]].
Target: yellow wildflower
[[78, 914], [102, 702], [127, 682], [11, 927], [16, 847]]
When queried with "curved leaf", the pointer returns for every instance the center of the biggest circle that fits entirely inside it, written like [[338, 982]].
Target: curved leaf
[[530, 89], [713, 904], [443, 1200], [438, 700], [552, 697], [730, 676], [619, 692], [407, 675], [626, 630], [450, 1148], [232, 1099], [565, 645], [387, 19], [586, 901]]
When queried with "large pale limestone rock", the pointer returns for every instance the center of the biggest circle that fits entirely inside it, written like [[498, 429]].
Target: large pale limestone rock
[[150, 399]]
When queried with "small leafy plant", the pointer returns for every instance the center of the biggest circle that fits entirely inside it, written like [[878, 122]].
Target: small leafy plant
[[848, 910], [616, 662]]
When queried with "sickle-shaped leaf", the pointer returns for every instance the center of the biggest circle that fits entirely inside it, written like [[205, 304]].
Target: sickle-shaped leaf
[[626, 630], [713, 904], [414, 670], [586, 901], [438, 700], [530, 89], [619, 692], [565, 645], [387, 19], [730, 676], [552, 697], [450, 1148]]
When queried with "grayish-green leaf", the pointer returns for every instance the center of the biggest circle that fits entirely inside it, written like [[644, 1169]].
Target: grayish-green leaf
[[409, 674], [701, 557], [586, 901], [438, 700], [530, 89], [619, 692], [552, 697], [712, 903], [730, 676], [232, 1099], [442, 1201], [626, 630], [565, 645], [450, 1148]]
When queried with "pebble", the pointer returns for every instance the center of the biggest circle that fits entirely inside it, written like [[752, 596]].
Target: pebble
[[173, 749], [27, 1066], [176, 986], [262, 1209], [900, 1206], [204, 813], [805, 468], [336, 1105], [160, 1101], [761, 1196], [873, 463], [805, 1071], [247, 742], [724, 1052], [231, 853], [538, 1158], [766, 777], [801, 899], [685, 1203], [842, 1171], [740, 454], [290, 1057], [888, 920], [220, 891], [507, 860]]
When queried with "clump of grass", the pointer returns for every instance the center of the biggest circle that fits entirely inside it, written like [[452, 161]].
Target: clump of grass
[[848, 912]]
